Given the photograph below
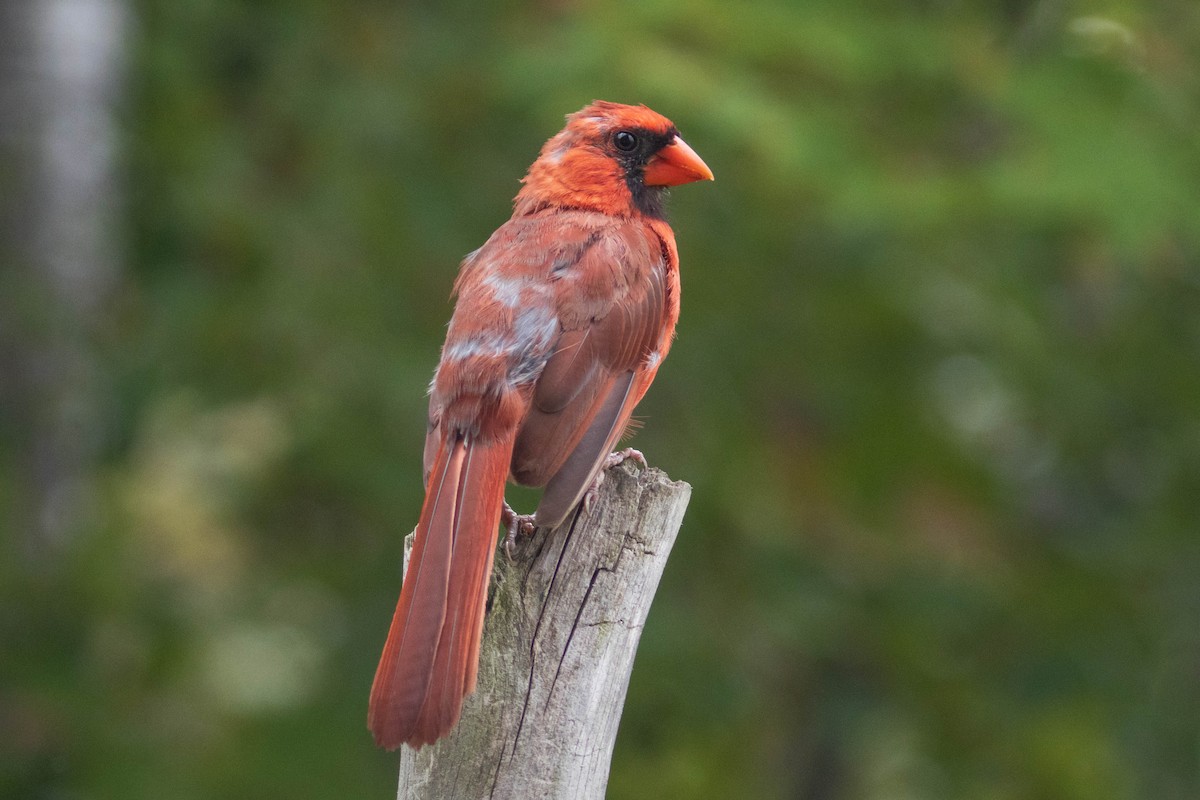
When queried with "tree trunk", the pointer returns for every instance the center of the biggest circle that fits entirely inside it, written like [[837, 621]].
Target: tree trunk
[[60, 79], [565, 615]]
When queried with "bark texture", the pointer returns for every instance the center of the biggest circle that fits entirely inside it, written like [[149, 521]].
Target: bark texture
[[565, 616]]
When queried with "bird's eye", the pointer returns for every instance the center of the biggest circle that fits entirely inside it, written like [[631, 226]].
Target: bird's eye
[[625, 141]]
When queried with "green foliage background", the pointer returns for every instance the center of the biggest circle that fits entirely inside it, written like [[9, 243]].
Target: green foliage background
[[936, 385]]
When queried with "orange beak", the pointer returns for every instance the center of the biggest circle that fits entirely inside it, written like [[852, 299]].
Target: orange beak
[[675, 164]]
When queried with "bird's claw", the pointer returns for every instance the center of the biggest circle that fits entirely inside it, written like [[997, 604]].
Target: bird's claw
[[589, 497], [517, 525], [610, 461], [621, 456]]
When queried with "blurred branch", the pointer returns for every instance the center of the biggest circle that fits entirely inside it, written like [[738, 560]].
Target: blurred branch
[[563, 626]]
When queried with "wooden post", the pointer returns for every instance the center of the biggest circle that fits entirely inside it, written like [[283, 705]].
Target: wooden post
[[565, 615]]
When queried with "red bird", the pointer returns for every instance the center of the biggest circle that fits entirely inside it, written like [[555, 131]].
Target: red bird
[[562, 319]]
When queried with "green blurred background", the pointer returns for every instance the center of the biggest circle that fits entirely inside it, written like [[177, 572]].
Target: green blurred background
[[936, 385]]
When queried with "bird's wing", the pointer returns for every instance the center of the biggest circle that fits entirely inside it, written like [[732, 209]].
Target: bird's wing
[[611, 301]]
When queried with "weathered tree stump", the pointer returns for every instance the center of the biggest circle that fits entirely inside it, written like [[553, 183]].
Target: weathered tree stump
[[565, 615]]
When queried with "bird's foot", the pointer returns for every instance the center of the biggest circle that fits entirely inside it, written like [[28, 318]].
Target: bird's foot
[[610, 461], [621, 456], [518, 526]]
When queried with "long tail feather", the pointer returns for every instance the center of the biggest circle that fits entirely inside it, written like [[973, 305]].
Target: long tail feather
[[457, 658], [429, 661]]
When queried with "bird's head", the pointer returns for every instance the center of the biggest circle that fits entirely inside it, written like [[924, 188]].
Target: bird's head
[[612, 158]]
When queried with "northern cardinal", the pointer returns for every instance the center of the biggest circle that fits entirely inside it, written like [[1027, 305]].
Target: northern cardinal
[[562, 320]]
